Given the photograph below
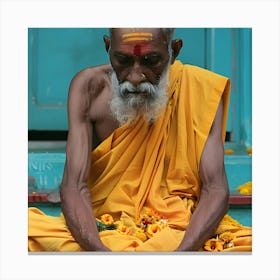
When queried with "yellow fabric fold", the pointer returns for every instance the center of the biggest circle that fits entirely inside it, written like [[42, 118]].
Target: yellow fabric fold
[[155, 166], [48, 233]]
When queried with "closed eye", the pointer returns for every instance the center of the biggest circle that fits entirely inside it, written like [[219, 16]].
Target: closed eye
[[123, 59], [151, 60]]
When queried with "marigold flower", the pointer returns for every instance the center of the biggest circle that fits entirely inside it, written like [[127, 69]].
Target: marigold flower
[[121, 228], [153, 215], [149, 224], [249, 151], [246, 188], [141, 234], [227, 236], [152, 229], [107, 219], [228, 152], [214, 245]]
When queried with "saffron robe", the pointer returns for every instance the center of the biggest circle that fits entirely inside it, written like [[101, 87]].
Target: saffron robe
[[152, 166]]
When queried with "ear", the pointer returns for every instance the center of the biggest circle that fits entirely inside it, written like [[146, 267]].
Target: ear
[[107, 42], [176, 46]]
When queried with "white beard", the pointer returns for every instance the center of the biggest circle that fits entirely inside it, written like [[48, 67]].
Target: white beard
[[130, 102]]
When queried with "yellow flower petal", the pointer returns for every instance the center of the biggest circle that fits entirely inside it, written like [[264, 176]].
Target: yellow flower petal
[[228, 152], [141, 235], [249, 151], [152, 229], [245, 188], [214, 245], [107, 219], [121, 228], [227, 236]]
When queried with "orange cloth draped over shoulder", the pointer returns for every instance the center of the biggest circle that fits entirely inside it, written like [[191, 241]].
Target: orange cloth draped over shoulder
[[142, 166]]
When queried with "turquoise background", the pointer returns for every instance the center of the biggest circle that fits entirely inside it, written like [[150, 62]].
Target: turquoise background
[[55, 55]]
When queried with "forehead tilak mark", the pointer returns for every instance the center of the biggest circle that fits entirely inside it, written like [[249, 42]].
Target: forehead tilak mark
[[137, 36], [137, 41], [137, 48]]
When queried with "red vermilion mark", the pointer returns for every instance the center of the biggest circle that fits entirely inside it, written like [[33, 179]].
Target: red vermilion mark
[[137, 49]]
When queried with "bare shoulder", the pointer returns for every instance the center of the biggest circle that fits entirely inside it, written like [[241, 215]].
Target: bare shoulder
[[89, 92], [89, 99], [91, 80]]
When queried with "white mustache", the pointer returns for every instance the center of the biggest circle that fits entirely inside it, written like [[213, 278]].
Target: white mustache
[[127, 88]]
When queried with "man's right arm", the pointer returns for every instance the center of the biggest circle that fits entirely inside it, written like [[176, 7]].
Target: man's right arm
[[75, 195]]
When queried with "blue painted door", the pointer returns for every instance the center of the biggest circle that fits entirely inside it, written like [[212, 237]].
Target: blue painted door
[[55, 56]]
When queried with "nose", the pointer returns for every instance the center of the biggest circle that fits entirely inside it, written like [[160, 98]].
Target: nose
[[136, 75]]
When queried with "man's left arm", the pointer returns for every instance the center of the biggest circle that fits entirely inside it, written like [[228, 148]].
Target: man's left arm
[[213, 203]]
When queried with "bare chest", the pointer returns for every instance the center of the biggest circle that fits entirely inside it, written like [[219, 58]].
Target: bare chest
[[101, 117]]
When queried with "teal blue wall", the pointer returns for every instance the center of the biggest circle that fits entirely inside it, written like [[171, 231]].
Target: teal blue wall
[[55, 55]]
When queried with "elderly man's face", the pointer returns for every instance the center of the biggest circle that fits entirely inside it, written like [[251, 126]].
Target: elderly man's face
[[140, 59], [139, 55]]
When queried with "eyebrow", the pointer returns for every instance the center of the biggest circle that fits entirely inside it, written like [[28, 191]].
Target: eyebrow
[[118, 53], [124, 54]]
